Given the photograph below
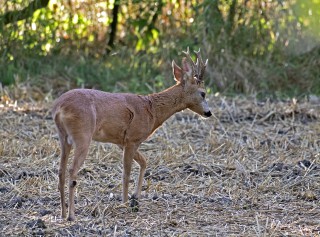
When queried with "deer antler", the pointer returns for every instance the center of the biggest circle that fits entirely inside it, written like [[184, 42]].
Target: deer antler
[[199, 67], [193, 65]]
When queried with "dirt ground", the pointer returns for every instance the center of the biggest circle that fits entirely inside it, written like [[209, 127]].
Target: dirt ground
[[253, 169]]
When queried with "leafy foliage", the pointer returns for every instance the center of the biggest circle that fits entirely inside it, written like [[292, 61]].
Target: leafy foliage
[[252, 46]]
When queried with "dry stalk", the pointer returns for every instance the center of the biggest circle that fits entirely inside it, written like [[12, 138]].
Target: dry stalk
[[252, 170]]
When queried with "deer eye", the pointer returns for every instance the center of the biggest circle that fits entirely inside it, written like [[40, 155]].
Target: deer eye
[[203, 95]]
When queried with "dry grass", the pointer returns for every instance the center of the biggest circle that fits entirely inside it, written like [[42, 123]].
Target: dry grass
[[252, 170]]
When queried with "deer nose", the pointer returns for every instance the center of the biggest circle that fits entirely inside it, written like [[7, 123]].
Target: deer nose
[[207, 114]]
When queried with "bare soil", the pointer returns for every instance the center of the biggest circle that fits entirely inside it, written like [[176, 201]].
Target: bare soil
[[251, 170]]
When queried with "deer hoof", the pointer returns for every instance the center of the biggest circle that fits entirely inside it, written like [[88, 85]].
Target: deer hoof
[[70, 218], [134, 204]]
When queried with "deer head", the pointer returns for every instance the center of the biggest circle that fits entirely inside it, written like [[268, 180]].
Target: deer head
[[190, 76]]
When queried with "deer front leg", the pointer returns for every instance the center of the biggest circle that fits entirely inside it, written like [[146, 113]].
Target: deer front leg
[[140, 159], [128, 155]]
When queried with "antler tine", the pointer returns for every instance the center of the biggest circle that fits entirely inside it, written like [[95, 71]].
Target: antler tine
[[200, 65], [200, 58], [194, 67]]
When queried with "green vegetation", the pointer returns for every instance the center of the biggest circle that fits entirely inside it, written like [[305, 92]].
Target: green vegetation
[[254, 47]]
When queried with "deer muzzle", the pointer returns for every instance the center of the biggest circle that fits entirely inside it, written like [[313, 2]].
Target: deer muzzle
[[207, 114]]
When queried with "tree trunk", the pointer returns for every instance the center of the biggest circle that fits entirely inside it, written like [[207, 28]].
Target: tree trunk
[[113, 25]]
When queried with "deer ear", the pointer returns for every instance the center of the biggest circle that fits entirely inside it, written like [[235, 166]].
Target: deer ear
[[177, 72]]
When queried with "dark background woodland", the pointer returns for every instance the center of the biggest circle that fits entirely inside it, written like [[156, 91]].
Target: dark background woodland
[[259, 47]]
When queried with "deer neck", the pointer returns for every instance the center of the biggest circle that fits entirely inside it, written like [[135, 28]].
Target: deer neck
[[167, 103]]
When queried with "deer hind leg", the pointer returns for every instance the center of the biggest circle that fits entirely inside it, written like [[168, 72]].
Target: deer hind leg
[[80, 153], [140, 159], [65, 151]]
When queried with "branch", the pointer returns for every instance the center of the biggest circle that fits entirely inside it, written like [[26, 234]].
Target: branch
[[14, 16]]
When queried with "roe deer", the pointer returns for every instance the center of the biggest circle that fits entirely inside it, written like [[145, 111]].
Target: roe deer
[[82, 115]]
